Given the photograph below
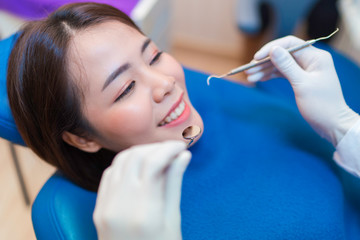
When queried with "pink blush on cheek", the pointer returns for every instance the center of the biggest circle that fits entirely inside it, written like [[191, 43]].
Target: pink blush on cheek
[[128, 122]]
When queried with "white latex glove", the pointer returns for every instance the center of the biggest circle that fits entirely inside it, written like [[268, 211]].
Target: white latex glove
[[312, 75], [139, 194]]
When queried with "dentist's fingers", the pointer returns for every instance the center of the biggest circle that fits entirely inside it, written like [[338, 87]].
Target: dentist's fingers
[[259, 68], [127, 206], [114, 174], [269, 77], [134, 159], [119, 165], [144, 161], [285, 42], [104, 186], [161, 158], [263, 75], [174, 182], [287, 65]]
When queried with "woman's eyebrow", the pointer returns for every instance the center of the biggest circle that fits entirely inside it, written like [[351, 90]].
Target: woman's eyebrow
[[145, 45], [124, 67], [115, 74]]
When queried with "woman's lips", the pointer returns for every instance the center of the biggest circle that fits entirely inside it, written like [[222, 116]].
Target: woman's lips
[[179, 115]]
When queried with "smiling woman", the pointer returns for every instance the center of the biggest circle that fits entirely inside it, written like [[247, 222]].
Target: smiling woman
[[131, 96], [117, 89]]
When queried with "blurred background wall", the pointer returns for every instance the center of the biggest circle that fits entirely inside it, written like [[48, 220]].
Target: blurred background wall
[[213, 26], [206, 25]]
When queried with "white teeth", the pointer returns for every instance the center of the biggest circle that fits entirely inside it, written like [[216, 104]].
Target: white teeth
[[178, 111], [168, 119], [174, 114]]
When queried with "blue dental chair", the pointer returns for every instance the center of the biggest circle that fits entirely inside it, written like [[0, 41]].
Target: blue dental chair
[[63, 210]]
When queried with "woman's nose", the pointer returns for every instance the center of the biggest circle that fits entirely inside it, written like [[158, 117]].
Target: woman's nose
[[162, 86]]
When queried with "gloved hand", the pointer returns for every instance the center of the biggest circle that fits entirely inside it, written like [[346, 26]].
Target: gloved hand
[[139, 194], [312, 75]]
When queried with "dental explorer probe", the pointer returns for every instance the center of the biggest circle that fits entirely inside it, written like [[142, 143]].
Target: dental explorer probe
[[267, 59]]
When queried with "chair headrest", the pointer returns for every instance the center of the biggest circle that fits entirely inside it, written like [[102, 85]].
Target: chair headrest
[[8, 129]]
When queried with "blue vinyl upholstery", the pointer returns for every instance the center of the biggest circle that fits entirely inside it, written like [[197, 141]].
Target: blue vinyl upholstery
[[8, 128], [63, 210]]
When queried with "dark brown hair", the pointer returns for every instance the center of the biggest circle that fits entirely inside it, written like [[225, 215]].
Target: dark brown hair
[[44, 98]]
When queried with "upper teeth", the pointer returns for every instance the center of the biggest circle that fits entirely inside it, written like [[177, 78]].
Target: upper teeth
[[174, 114]]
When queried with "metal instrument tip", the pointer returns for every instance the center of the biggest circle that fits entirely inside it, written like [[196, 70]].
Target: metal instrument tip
[[214, 76]]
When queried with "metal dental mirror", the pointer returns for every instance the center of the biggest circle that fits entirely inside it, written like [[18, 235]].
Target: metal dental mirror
[[190, 133]]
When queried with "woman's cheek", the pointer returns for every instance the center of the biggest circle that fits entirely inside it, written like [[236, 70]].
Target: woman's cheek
[[130, 120]]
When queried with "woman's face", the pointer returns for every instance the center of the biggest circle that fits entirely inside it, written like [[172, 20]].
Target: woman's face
[[133, 93]]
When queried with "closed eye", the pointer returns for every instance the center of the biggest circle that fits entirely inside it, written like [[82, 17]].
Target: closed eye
[[129, 88], [156, 58]]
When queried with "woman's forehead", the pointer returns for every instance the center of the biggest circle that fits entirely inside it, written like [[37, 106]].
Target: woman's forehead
[[105, 32], [101, 48], [104, 40]]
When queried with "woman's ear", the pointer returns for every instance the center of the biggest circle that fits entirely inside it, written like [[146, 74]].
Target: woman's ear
[[81, 143]]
